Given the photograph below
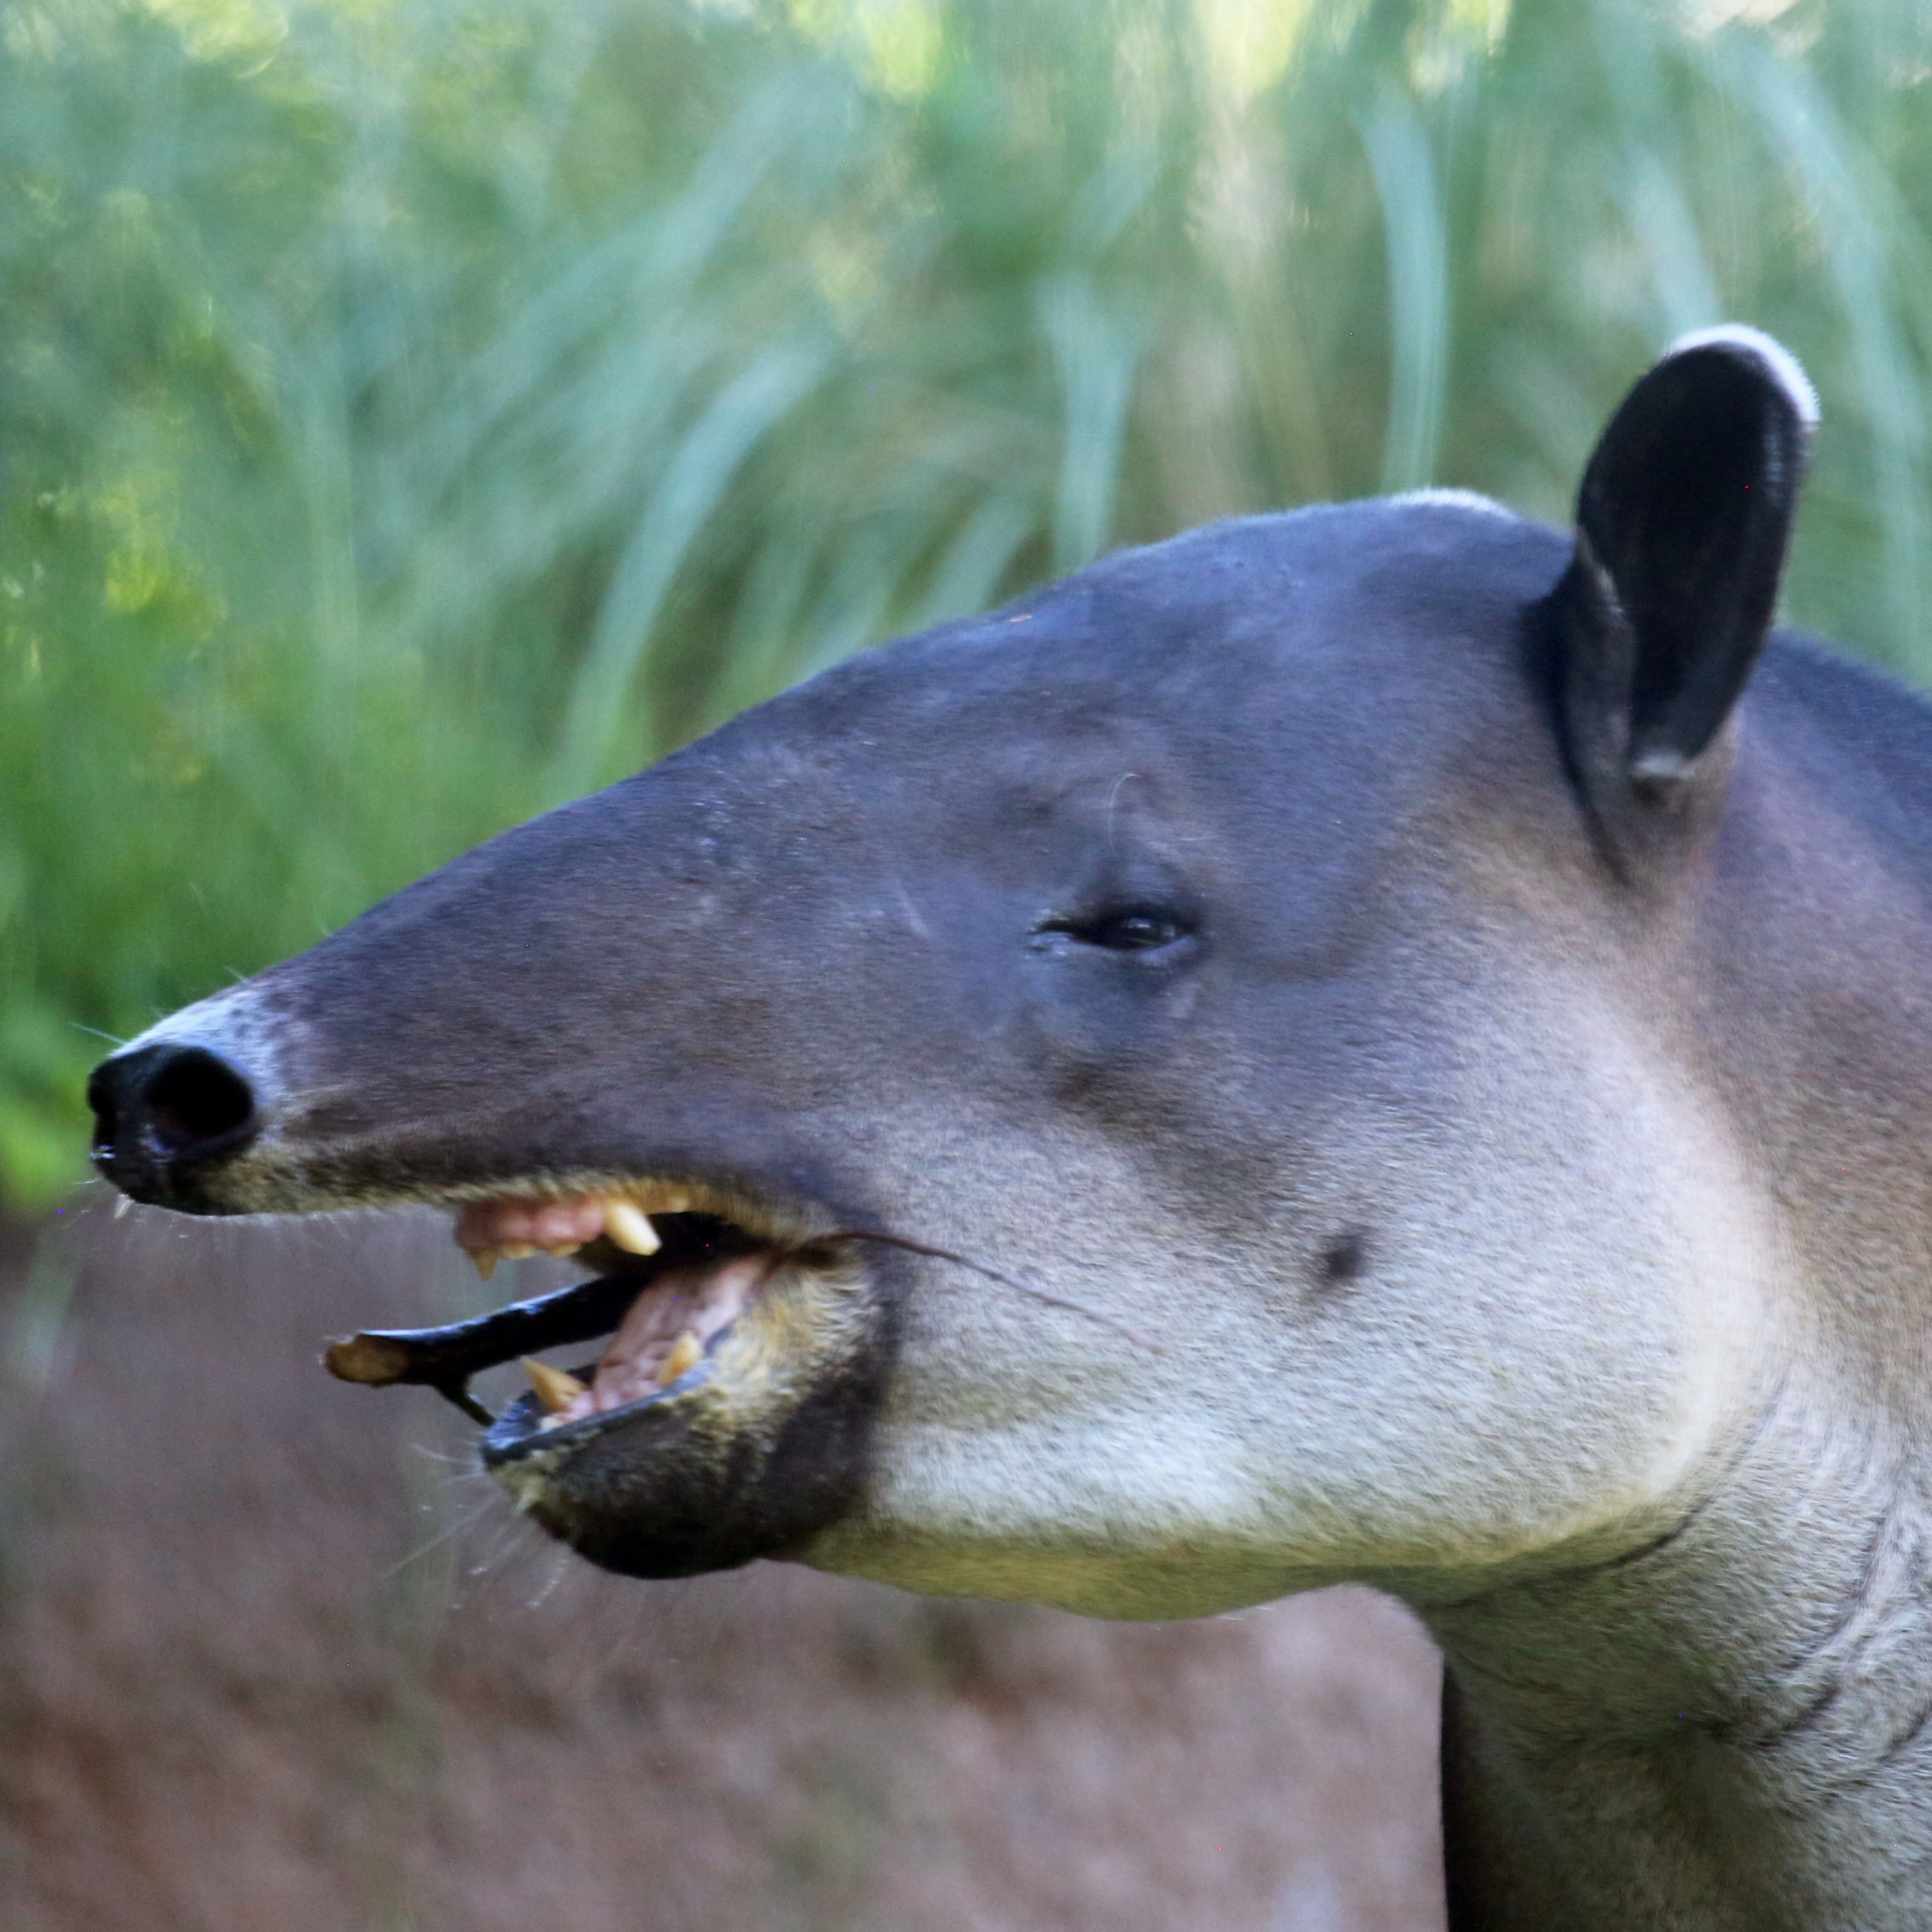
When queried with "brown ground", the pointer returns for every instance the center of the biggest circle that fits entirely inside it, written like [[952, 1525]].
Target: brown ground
[[275, 1658]]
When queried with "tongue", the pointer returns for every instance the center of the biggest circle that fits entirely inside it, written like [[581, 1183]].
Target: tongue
[[665, 1332]]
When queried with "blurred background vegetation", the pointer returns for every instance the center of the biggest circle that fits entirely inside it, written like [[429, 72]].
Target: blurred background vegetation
[[413, 412]]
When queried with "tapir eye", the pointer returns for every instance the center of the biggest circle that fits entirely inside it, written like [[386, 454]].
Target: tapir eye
[[1124, 929]]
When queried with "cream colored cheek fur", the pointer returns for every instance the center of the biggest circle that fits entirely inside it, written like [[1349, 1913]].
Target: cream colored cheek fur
[[1558, 1341]]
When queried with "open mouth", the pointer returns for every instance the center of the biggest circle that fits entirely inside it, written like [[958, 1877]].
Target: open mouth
[[725, 1325], [665, 1289]]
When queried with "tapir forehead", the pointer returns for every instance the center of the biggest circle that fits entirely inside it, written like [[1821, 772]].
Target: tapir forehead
[[1345, 607], [1315, 655]]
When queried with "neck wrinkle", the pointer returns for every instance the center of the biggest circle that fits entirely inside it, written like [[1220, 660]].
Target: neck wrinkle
[[1731, 1727]]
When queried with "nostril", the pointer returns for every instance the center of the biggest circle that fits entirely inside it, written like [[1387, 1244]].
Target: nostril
[[168, 1116], [193, 1099], [169, 1104]]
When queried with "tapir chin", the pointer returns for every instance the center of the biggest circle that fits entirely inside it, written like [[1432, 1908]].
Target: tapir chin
[[1387, 1042]]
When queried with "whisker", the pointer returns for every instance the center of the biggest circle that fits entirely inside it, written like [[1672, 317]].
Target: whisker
[[1005, 1280], [455, 1528]]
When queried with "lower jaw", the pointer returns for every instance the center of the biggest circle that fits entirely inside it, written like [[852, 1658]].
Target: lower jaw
[[753, 1450], [699, 1480]]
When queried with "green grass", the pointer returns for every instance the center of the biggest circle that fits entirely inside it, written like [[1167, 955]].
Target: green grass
[[414, 412]]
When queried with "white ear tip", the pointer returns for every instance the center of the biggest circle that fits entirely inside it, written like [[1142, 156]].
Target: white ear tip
[[1785, 368]]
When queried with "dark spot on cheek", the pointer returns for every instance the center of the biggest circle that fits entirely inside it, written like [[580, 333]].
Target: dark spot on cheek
[[1343, 1260]]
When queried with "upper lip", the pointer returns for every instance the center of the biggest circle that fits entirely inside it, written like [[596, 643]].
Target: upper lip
[[602, 1216]]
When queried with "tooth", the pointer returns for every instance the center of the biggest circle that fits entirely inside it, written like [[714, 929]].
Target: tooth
[[630, 1227], [685, 1351], [121, 1206], [517, 1250], [561, 1251], [483, 1260], [554, 1389]]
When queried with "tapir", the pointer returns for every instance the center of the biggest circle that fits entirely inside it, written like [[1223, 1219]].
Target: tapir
[[1386, 1042]]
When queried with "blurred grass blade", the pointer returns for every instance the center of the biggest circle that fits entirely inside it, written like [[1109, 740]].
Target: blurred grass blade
[[1094, 352], [1686, 294], [1822, 154], [642, 271], [976, 561], [1418, 290], [592, 747]]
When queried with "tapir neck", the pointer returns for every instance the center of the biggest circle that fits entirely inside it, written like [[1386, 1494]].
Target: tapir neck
[[1729, 1729], [1728, 1726]]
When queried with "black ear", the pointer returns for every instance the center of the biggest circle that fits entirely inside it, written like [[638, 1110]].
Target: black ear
[[1682, 524]]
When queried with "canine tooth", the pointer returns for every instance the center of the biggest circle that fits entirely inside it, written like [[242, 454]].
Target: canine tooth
[[483, 1260], [630, 1227], [554, 1389], [122, 1204], [685, 1351]]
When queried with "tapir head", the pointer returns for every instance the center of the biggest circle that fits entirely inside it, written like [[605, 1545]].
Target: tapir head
[[1168, 1092]]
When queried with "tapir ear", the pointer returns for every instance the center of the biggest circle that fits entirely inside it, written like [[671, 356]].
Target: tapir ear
[[1682, 524]]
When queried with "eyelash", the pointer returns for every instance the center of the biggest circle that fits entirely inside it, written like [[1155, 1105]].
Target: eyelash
[[1130, 929]]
